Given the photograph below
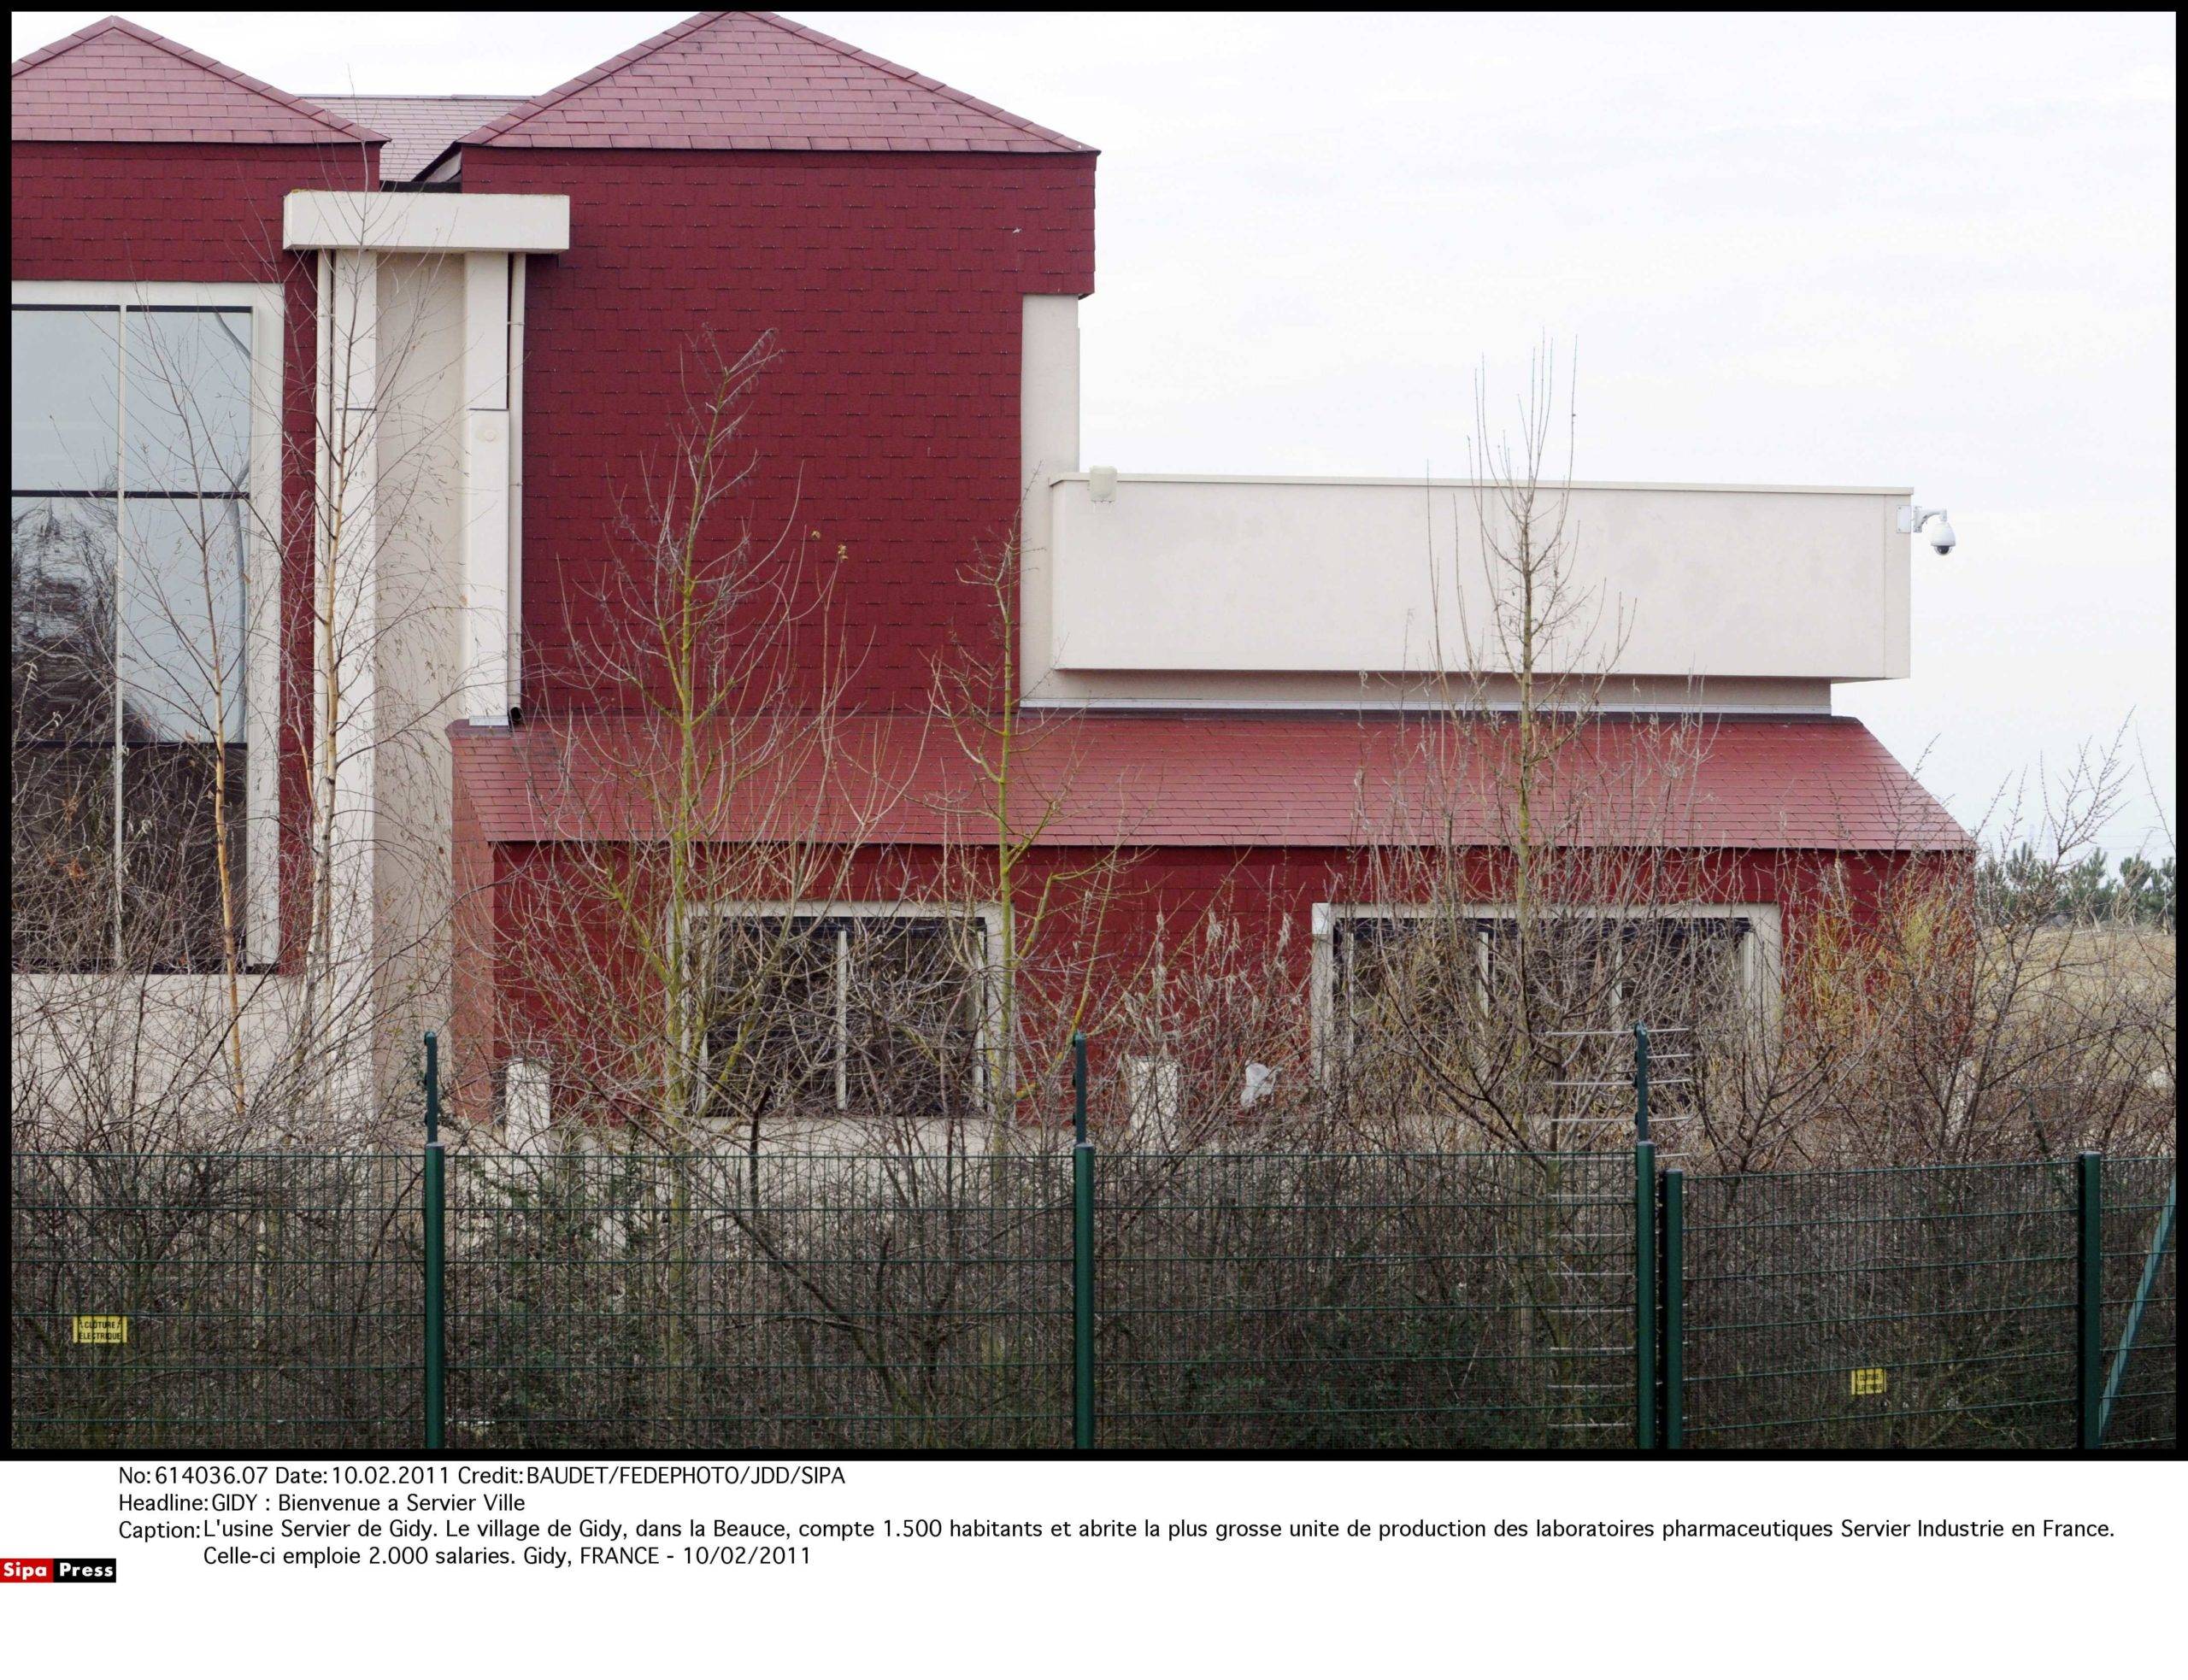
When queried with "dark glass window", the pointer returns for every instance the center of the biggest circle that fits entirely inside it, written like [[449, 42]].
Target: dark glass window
[[1403, 980], [1443, 976], [870, 1015]]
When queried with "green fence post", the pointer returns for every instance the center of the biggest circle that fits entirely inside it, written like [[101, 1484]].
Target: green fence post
[[2160, 1239], [436, 1192], [1644, 1293], [1675, 1361], [2089, 1296], [1082, 1254]]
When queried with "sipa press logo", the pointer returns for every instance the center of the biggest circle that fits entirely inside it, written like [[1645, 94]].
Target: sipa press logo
[[56, 1571]]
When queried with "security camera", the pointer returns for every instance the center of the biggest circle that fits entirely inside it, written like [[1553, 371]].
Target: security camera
[[1913, 519]]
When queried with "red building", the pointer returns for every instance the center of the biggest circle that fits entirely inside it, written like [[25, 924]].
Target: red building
[[469, 552]]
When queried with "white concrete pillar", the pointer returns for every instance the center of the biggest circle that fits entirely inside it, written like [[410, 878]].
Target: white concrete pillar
[[1048, 436], [485, 518], [345, 660], [348, 544]]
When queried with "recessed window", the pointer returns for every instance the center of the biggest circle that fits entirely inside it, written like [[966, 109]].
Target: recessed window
[[1423, 981], [842, 1012], [131, 443]]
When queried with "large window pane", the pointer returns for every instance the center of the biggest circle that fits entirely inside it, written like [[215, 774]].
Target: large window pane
[[1570, 968], [61, 856], [910, 1027], [182, 620], [1682, 973], [126, 627], [61, 621], [61, 398], [187, 425], [771, 1028], [1407, 980], [873, 1015], [183, 803], [1407, 990]]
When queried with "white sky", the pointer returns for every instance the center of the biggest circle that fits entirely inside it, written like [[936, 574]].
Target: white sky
[[1862, 251]]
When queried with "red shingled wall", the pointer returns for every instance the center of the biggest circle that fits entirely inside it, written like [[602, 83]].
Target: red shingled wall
[[513, 996], [84, 212], [888, 430], [209, 214]]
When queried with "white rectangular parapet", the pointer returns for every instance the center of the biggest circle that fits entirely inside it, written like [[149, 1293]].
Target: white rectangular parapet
[[531, 223], [1176, 573]]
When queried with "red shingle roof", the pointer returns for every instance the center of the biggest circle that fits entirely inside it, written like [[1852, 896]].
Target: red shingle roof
[[1107, 779], [727, 81], [117, 81], [419, 128]]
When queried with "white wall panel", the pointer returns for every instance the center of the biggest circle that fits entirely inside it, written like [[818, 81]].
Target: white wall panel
[[1350, 576]]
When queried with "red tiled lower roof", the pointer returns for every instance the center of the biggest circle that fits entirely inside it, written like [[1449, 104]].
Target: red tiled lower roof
[[1104, 779], [116, 80]]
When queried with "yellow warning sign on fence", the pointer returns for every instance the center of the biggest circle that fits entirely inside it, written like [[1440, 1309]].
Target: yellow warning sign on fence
[[102, 1327], [1869, 1381]]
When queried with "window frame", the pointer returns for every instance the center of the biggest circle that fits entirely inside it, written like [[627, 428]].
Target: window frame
[[986, 1028], [261, 563], [1758, 954]]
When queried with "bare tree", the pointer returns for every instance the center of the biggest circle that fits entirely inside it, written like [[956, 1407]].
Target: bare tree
[[1055, 964], [663, 949]]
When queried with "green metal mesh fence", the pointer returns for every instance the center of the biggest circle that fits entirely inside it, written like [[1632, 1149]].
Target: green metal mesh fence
[[2145, 1386], [1372, 1301], [1922, 1308], [266, 1300], [741, 1302], [764, 1302]]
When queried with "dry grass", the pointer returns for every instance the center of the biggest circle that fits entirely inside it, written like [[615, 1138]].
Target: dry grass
[[2090, 963]]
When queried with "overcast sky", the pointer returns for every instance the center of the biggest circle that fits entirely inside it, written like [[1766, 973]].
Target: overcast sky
[[1860, 250]]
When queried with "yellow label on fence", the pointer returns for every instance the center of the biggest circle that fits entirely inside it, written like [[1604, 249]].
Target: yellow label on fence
[[1868, 1382], [101, 1328]]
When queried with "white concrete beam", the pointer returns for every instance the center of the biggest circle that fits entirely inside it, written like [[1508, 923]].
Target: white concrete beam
[[427, 221]]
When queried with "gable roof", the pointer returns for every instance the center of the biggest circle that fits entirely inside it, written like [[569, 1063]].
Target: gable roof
[[419, 128], [118, 81], [735, 81], [1104, 779]]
